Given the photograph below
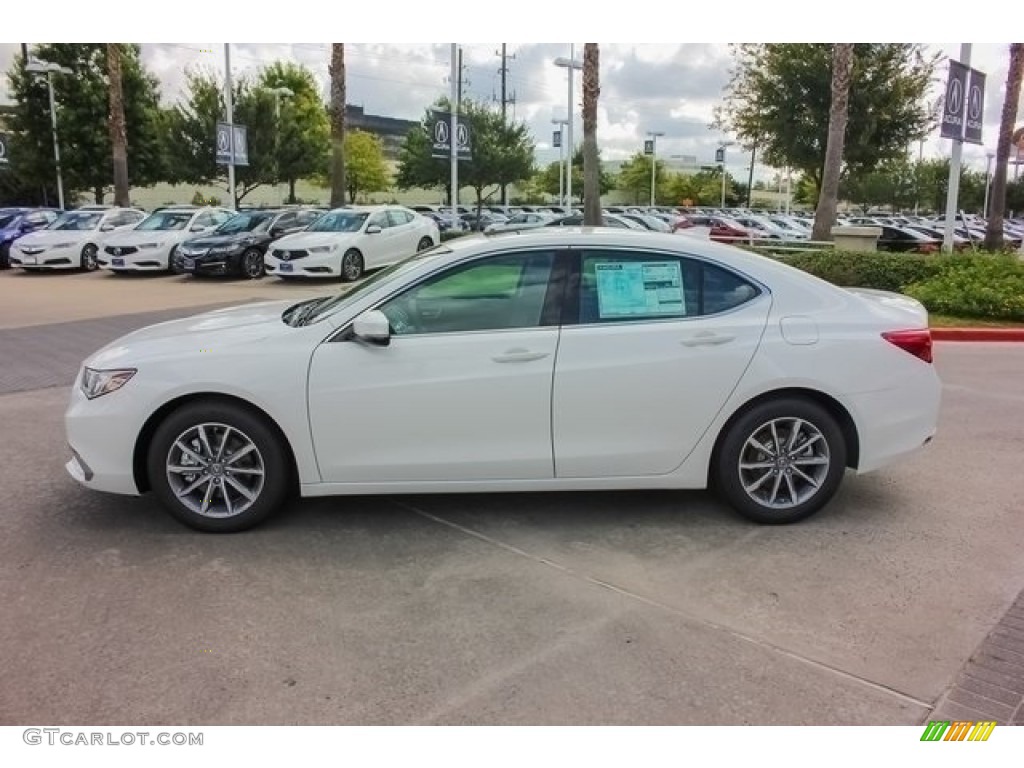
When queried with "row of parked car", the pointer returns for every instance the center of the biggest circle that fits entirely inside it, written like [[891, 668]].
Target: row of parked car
[[208, 240]]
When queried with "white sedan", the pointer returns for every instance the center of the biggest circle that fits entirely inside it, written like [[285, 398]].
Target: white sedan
[[74, 240], [148, 247], [558, 359], [347, 241]]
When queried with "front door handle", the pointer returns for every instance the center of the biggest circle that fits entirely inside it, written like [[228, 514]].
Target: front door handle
[[707, 339], [519, 355]]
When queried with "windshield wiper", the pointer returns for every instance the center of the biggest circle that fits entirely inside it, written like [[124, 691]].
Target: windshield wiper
[[301, 313]]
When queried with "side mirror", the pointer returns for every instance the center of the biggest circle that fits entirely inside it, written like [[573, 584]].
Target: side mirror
[[198, 228], [278, 232], [373, 229], [107, 228], [372, 326]]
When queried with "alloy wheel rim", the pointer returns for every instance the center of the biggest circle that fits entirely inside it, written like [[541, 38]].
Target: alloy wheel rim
[[350, 266], [215, 470], [252, 265], [90, 258], [784, 463]]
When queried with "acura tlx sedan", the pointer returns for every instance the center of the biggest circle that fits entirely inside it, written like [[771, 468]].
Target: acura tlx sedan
[[555, 359]]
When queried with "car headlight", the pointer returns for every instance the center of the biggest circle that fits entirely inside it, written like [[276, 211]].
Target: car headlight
[[96, 383], [63, 245], [322, 248], [145, 246]]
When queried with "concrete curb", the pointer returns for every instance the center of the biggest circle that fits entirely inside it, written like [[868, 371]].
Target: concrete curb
[[978, 334]]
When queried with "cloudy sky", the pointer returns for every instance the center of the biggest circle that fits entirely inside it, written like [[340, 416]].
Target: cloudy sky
[[662, 87]]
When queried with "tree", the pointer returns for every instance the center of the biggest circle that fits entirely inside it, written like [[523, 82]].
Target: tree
[[997, 201], [337, 71], [192, 128], [118, 133], [591, 158], [549, 175], [635, 177], [842, 71], [780, 95], [702, 188], [83, 109], [501, 153], [303, 135], [365, 169]]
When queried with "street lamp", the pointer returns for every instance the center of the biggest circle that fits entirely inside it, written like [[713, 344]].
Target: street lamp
[[654, 159], [571, 64], [721, 149], [561, 123], [279, 93], [988, 170], [47, 68]]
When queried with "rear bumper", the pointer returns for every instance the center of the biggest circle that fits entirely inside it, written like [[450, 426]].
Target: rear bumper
[[894, 424]]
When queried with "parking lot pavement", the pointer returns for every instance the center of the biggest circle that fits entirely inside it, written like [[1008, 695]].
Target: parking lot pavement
[[656, 608], [64, 296]]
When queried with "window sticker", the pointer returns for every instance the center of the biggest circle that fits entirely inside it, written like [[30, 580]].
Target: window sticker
[[637, 288]]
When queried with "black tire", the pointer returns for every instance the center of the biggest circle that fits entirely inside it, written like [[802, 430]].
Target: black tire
[[779, 473], [424, 243], [268, 455], [174, 263], [5, 255], [251, 264], [351, 265], [88, 261]]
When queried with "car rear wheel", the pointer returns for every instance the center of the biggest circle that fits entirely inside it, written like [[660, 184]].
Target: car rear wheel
[[252, 264], [781, 461], [89, 262], [424, 243], [351, 265], [218, 467], [5, 255]]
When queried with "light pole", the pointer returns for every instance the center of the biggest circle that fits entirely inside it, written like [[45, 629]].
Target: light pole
[[561, 123], [279, 93], [654, 160], [988, 171], [571, 64], [721, 148], [47, 68]]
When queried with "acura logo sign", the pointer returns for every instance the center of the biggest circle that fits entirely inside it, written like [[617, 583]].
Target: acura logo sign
[[117, 251], [285, 255]]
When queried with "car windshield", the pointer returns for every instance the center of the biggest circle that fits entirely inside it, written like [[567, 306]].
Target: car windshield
[[6, 219], [166, 220], [322, 308], [246, 222], [77, 221], [339, 221]]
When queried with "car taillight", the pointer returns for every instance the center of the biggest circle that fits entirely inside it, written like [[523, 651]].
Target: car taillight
[[917, 342]]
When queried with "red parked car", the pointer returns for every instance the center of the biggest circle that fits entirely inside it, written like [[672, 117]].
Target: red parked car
[[728, 231]]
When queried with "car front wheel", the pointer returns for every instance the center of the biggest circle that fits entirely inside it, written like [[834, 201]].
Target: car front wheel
[[781, 461], [351, 265], [218, 467], [89, 262]]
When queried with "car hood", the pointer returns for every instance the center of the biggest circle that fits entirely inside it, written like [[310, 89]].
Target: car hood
[[137, 237], [313, 239], [216, 241], [54, 236], [218, 328]]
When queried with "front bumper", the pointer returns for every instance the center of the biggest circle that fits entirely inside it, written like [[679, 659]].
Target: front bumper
[[51, 258], [150, 260], [314, 265], [209, 264], [101, 434]]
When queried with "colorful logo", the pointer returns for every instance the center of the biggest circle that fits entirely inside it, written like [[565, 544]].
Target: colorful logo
[[958, 730]]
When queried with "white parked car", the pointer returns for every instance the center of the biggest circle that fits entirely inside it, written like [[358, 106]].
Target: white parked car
[[74, 240], [149, 246], [557, 359], [347, 241]]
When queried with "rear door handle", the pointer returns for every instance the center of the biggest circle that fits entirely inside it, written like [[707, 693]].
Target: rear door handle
[[519, 355], [707, 339]]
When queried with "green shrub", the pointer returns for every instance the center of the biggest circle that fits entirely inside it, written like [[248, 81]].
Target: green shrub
[[974, 286], [452, 234], [884, 271]]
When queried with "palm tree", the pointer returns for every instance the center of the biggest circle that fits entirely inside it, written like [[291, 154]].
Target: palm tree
[[591, 161], [337, 70], [997, 200], [828, 200], [118, 133]]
